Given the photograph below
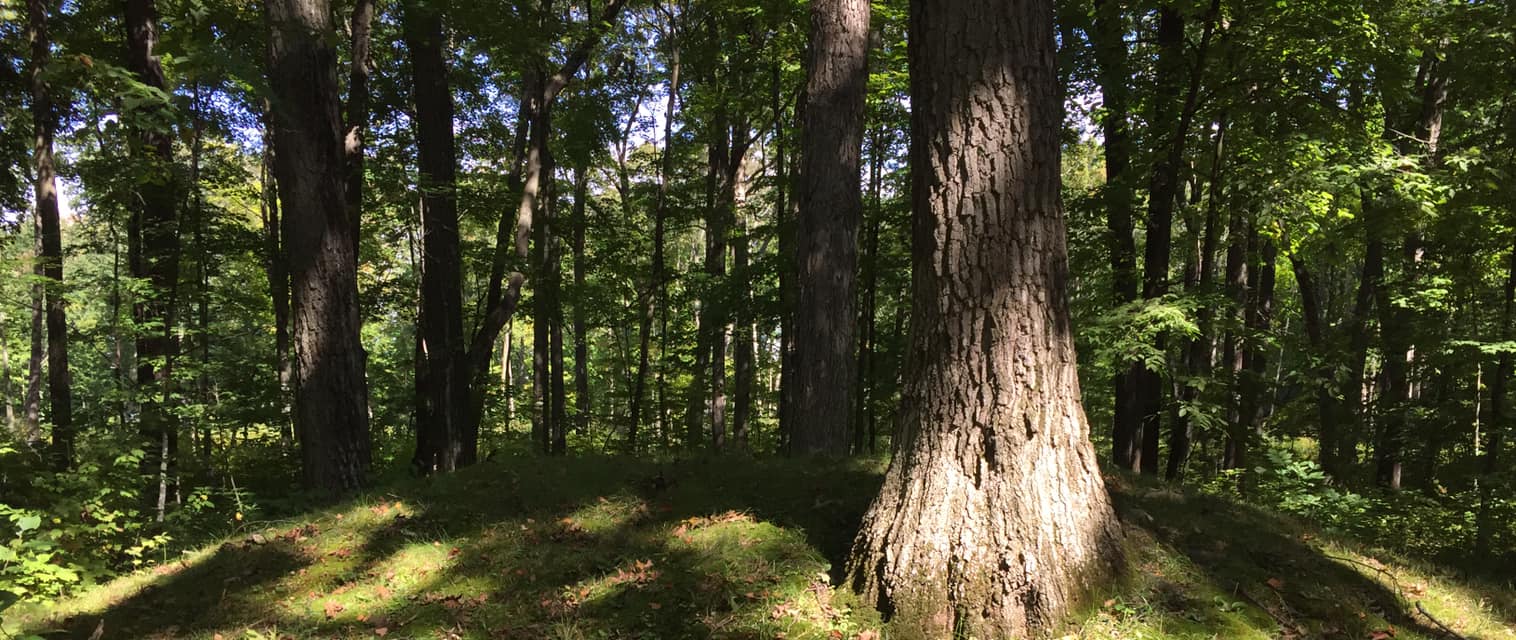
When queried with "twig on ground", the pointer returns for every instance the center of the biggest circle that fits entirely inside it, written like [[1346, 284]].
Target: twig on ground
[[1445, 628]]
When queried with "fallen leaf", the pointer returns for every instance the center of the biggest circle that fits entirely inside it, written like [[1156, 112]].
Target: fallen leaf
[[1275, 584], [333, 608], [382, 631]]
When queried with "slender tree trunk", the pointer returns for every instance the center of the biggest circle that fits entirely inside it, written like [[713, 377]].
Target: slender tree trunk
[[1108, 39], [831, 206], [863, 432], [31, 404], [331, 391], [444, 440], [743, 338], [45, 188], [993, 519], [504, 286], [786, 228], [582, 400], [1198, 350], [276, 263], [554, 291], [658, 294], [1260, 316], [1495, 439], [202, 275], [1328, 407], [1359, 335], [1234, 354], [157, 259], [356, 126], [1399, 362], [5, 382]]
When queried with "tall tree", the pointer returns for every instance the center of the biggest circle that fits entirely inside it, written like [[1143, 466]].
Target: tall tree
[[155, 253], [658, 289], [331, 391], [826, 236], [442, 372], [993, 518], [353, 140], [45, 189], [1108, 38]]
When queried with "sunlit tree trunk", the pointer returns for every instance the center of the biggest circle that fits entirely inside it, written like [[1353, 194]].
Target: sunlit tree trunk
[[993, 520], [830, 202], [331, 392]]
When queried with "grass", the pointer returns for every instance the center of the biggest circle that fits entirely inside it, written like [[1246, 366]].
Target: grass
[[600, 547]]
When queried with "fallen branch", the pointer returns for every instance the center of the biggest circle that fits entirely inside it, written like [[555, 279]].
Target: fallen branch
[[1445, 628]]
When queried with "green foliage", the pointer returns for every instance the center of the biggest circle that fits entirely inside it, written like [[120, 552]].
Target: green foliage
[[1301, 488]]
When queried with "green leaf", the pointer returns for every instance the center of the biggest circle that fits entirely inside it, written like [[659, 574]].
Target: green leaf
[[27, 523]]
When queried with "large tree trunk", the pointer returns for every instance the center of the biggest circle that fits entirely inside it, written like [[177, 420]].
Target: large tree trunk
[[826, 236], [442, 373], [1107, 38], [44, 123], [331, 392], [993, 519], [157, 258]]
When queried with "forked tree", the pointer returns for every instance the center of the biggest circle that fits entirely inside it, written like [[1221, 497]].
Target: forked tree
[[993, 519]]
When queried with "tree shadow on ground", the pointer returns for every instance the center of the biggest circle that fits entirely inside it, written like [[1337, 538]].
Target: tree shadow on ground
[[730, 547], [1272, 564]]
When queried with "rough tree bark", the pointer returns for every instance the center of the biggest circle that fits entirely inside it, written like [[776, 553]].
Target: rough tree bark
[[442, 372], [993, 519], [331, 392], [45, 189], [826, 239]]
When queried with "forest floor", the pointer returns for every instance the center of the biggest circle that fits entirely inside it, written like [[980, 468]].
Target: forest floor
[[595, 547]]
